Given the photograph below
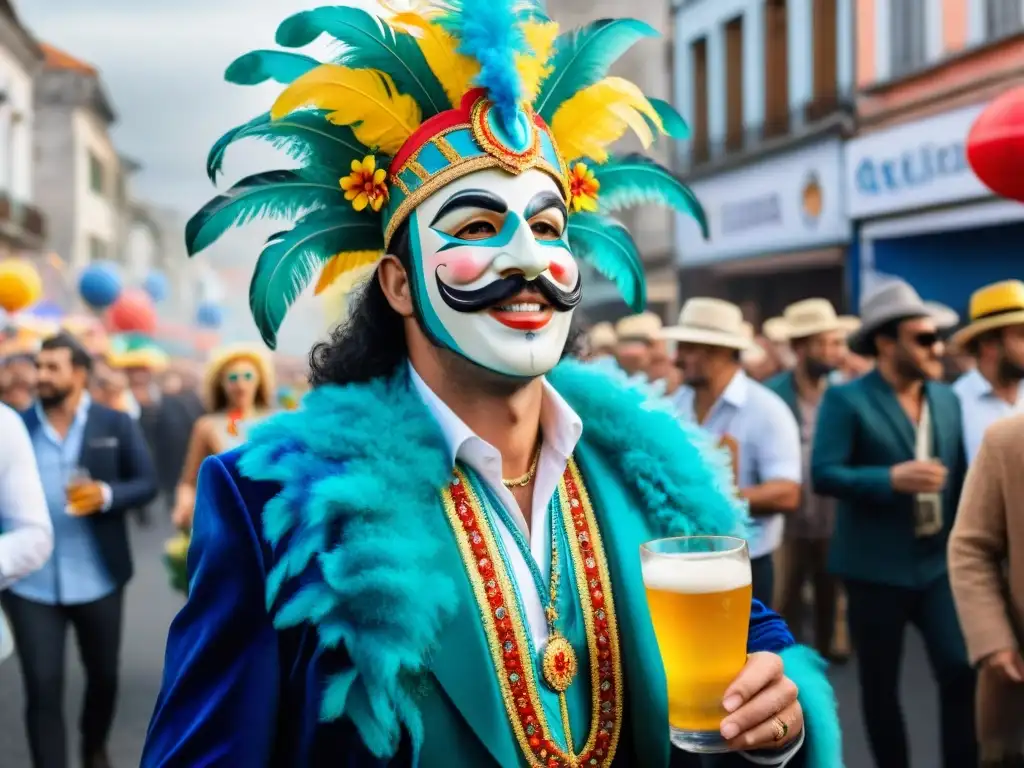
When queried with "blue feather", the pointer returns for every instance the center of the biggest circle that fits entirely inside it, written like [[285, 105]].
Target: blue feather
[[306, 136], [279, 194], [635, 180], [370, 44], [609, 248], [583, 57], [257, 67], [290, 260], [489, 32]]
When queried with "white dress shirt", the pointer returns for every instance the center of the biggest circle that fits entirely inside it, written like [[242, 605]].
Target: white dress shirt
[[561, 429], [26, 532]]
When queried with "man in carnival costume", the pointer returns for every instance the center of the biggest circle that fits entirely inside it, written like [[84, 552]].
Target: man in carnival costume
[[371, 573]]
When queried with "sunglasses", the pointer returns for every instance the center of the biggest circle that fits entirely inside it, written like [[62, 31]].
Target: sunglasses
[[927, 340], [234, 378]]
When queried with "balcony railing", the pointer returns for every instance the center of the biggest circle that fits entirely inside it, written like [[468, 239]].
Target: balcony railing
[[21, 223]]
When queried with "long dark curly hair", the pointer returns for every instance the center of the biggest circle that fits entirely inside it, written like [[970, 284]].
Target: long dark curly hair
[[370, 343]]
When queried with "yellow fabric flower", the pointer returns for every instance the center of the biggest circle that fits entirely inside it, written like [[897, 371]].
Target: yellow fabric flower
[[365, 186], [583, 188]]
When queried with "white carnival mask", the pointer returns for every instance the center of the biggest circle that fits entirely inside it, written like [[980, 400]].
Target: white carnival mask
[[493, 277]]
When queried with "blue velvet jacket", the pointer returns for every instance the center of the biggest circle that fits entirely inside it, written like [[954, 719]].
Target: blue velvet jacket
[[330, 621]]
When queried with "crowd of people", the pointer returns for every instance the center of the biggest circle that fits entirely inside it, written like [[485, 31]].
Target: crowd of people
[[853, 456]]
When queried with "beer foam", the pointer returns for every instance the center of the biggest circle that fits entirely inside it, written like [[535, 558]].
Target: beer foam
[[695, 573]]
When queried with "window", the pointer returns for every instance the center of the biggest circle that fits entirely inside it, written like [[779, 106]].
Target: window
[[97, 249], [907, 30], [1003, 17], [734, 84], [699, 50], [96, 180], [776, 90], [826, 69]]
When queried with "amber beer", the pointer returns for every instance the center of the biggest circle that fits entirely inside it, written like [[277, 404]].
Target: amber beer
[[699, 594]]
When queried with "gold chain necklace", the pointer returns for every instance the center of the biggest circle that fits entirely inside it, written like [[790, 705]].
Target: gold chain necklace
[[524, 480]]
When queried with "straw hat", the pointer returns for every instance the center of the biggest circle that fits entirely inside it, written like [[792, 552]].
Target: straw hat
[[602, 336], [945, 317], [893, 300], [223, 357], [994, 306], [808, 318], [643, 327], [711, 322]]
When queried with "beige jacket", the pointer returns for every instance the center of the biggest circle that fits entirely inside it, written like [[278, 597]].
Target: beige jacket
[[986, 570]]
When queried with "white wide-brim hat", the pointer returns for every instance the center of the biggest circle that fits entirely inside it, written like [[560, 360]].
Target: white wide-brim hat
[[808, 318], [893, 300], [712, 323]]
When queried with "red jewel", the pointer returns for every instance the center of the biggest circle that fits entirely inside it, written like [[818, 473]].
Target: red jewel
[[598, 598], [534, 742]]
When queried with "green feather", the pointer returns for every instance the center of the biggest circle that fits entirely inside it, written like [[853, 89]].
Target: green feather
[[278, 194], [671, 121], [291, 259], [307, 137], [634, 180], [257, 67], [583, 57], [609, 248], [370, 44]]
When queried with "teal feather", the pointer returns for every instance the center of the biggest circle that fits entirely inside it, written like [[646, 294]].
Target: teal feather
[[583, 57], [672, 122], [291, 259], [609, 248], [370, 44], [635, 180], [257, 67], [279, 194], [307, 137], [824, 742]]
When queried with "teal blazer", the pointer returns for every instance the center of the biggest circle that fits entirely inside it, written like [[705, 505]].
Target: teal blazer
[[784, 385], [862, 432]]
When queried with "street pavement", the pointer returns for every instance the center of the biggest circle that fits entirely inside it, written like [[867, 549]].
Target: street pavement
[[151, 606]]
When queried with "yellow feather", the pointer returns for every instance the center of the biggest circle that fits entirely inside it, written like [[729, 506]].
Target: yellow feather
[[365, 99], [533, 67], [343, 266], [596, 117], [454, 71]]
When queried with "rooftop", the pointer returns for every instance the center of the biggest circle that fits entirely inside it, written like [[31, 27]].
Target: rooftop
[[54, 58]]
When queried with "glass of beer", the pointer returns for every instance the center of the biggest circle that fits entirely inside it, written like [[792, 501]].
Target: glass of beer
[[76, 477], [699, 594]]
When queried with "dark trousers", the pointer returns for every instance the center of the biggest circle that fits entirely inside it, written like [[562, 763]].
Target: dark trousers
[[878, 615], [762, 575], [40, 634], [807, 560]]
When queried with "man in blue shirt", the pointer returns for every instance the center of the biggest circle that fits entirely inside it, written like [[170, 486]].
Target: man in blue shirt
[[94, 466]]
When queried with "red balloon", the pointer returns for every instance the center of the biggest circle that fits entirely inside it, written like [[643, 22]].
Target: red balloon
[[133, 312], [995, 145]]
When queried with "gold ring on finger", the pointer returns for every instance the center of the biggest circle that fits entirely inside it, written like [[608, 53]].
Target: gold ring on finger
[[781, 728]]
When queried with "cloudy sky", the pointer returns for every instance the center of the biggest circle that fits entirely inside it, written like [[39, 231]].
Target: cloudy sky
[[162, 62]]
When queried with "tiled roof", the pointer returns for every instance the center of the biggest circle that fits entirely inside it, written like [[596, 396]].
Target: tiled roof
[[58, 59]]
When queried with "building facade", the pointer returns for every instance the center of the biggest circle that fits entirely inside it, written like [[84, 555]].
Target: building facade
[[22, 226], [925, 70], [79, 180], [767, 87]]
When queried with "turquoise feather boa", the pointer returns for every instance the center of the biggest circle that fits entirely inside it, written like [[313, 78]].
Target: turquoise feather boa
[[344, 492]]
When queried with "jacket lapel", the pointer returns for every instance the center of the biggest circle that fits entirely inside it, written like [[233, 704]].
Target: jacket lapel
[[92, 432], [463, 665], [646, 686], [891, 409]]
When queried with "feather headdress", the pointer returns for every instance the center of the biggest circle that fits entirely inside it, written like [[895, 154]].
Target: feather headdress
[[415, 100]]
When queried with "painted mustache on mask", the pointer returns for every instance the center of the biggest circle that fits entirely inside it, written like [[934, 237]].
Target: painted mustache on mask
[[503, 289]]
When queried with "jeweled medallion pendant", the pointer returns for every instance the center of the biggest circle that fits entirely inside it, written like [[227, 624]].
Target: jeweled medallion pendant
[[558, 661]]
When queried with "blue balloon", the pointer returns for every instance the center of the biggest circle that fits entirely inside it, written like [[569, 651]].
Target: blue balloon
[[209, 315], [156, 286], [99, 285]]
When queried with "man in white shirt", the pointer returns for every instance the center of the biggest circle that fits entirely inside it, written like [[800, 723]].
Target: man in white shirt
[[26, 533]]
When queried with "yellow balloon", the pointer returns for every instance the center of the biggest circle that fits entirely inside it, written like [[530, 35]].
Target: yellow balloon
[[20, 285]]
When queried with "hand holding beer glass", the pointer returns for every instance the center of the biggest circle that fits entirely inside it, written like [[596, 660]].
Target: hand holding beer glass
[[81, 493], [699, 594]]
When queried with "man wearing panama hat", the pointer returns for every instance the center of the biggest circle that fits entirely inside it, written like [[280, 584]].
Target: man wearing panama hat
[[995, 339], [747, 417], [890, 449], [817, 336]]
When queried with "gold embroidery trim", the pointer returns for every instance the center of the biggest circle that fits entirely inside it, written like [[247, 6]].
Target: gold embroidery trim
[[418, 169]]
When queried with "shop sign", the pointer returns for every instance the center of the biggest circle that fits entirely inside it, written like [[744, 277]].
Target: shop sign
[[916, 165], [787, 202]]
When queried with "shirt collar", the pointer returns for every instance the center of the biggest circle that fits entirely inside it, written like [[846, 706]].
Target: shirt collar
[[560, 425], [736, 391], [974, 384]]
